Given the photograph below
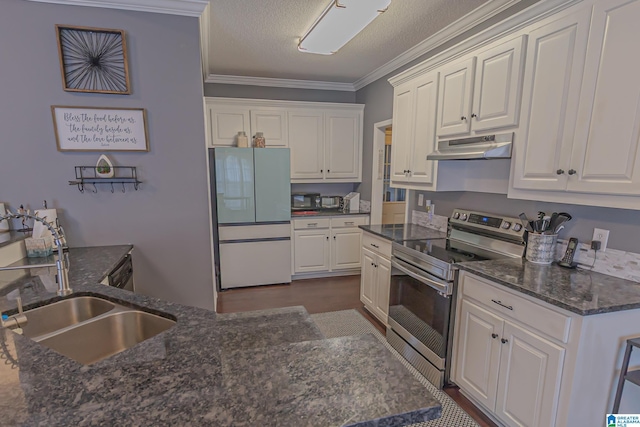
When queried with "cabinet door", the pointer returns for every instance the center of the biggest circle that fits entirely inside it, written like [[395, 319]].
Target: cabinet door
[[273, 124], [383, 278], [552, 77], [478, 353], [456, 89], [342, 145], [606, 148], [402, 132], [306, 142], [225, 123], [422, 170], [497, 86], [368, 278], [345, 249], [530, 374], [311, 250]]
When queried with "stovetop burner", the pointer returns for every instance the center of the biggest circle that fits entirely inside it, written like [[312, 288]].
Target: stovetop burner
[[443, 249]]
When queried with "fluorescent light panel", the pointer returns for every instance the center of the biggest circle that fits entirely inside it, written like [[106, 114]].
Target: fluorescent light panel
[[339, 23]]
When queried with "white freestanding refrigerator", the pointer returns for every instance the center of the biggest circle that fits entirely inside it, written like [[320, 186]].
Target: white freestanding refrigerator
[[252, 215]]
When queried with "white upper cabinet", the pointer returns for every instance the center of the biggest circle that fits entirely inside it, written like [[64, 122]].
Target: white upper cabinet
[[343, 150], [481, 92], [223, 125], [606, 152], [272, 124], [456, 83], [306, 142], [414, 119], [553, 71], [325, 138], [581, 109], [497, 86]]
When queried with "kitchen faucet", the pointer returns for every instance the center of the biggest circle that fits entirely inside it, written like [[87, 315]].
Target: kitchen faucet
[[62, 263]]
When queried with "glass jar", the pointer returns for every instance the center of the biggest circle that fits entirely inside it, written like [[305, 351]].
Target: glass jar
[[259, 141]]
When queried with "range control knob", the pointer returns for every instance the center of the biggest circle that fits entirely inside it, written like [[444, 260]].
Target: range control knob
[[517, 227], [506, 225], [456, 215], [463, 217]]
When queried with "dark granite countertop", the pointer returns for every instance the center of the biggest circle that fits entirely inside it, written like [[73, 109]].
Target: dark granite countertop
[[8, 237], [264, 368], [298, 214], [402, 232], [579, 291]]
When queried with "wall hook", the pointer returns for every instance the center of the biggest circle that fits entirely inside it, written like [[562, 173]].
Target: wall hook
[[124, 190], [112, 189]]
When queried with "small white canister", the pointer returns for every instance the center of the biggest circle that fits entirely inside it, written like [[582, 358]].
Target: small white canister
[[541, 248], [243, 140]]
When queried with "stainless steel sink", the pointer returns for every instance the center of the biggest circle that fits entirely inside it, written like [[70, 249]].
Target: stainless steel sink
[[49, 318], [100, 338], [89, 329]]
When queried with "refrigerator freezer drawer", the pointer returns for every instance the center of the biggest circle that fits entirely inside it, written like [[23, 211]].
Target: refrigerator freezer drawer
[[262, 231], [255, 263]]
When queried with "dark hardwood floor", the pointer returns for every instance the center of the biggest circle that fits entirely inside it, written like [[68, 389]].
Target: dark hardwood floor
[[321, 296]]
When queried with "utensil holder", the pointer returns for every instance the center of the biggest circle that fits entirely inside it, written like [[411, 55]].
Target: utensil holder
[[541, 248]]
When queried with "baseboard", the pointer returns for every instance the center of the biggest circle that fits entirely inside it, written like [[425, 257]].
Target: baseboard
[[321, 274]]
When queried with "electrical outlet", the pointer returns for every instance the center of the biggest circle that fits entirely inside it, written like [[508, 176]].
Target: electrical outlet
[[602, 236], [420, 199]]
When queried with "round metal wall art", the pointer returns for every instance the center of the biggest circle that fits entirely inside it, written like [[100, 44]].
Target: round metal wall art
[[93, 60]]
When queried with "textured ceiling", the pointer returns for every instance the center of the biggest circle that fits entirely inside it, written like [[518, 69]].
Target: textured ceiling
[[258, 38]]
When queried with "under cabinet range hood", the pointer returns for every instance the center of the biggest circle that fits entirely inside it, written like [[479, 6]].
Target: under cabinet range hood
[[477, 147]]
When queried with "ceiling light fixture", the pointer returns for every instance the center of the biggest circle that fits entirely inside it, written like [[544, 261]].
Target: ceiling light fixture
[[339, 23]]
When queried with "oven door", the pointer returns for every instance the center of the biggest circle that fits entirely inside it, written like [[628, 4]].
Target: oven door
[[419, 313]]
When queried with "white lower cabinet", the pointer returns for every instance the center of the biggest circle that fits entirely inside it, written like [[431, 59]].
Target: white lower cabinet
[[375, 276], [503, 362], [327, 244]]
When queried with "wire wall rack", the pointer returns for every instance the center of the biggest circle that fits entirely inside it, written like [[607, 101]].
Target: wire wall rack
[[87, 178]]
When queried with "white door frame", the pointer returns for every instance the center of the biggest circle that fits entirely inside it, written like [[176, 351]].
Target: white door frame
[[377, 171]]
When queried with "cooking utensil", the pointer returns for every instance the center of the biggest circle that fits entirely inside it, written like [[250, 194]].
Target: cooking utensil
[[562, 218], [552, 221], [541, 215], [525, 222]]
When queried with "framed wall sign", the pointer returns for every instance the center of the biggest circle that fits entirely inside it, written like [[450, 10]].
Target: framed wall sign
[[100, 129], [93, 60]]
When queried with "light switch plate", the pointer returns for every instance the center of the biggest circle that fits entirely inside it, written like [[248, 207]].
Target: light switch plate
[[602, 236]]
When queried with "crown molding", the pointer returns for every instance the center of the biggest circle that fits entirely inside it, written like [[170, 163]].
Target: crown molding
[[288, 83], [511, 25], [273, 103], [205, 34], [467, 22], [169, 7]]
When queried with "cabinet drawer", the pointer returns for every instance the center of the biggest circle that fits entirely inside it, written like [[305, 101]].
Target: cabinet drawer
[[349, 221], [376, 244], [547, 321], [310, 223]]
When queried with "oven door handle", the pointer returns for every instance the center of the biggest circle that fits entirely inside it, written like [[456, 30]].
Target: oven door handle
[[443, 288]]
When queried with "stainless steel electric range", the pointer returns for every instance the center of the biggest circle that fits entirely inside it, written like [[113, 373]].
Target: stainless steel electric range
[[423, 287]]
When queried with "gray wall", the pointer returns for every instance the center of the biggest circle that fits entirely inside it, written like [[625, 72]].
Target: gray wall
[[378, 98], [167, 219], [280, 93], [623, 223]]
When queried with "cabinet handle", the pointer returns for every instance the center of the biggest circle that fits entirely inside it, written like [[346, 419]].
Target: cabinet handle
[[375, 246], [312, 224], [504, 341], [473, 115], [376, 266], [334, 237], [463, 118], [349, 222], [501, 304], [327, 237], [321, 170], [328, 171], [572, 172], [560, 171], [373, 264], [494, 336]]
